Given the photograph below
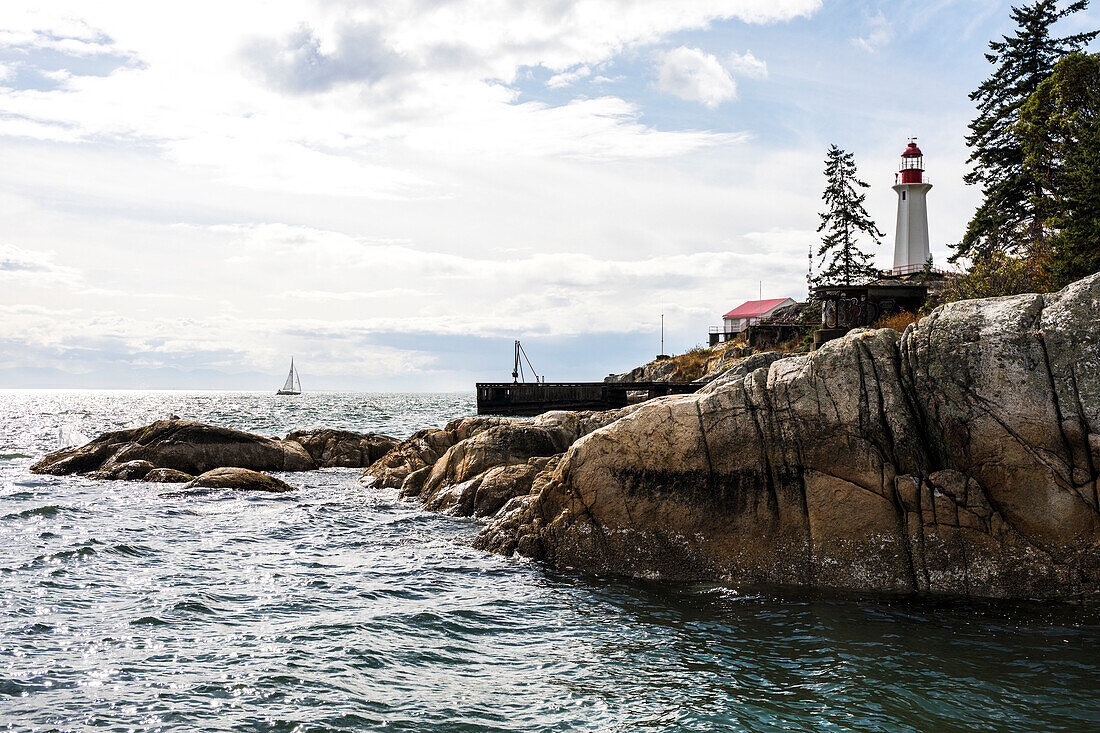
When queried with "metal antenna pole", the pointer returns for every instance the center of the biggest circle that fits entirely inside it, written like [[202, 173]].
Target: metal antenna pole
[[810, 269], [662, 333]]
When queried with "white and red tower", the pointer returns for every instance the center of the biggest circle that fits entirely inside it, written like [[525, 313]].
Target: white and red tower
[[911, 239]]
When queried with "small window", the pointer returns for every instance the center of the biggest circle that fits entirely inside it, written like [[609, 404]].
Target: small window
[[903, 195]]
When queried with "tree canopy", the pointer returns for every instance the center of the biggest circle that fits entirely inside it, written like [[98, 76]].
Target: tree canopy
[[1059, 134], [1007, 219]]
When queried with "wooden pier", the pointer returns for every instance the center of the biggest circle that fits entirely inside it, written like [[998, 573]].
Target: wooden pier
[[522, 398]]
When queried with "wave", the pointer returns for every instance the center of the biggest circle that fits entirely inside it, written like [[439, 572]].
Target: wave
[[193, 607], [49, 510], [67, 554]]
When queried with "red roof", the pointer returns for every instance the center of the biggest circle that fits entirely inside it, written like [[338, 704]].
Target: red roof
[[755, 308], [911, 151]]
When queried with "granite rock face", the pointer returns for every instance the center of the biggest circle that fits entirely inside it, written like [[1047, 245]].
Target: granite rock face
[[961, 457], [724, 358], [194, 448]]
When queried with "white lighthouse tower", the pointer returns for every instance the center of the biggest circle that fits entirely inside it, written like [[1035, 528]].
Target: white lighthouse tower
[[911, 240]]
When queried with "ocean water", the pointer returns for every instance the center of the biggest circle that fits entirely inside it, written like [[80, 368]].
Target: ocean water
[[343, 608]]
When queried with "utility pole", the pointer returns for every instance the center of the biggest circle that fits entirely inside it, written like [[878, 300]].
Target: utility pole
[[662, 333]]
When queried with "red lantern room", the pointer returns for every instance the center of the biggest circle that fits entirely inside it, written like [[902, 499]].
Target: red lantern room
[[912, 164]]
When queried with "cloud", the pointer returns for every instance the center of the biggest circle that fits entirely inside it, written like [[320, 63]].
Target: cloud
[[697, 76], [746, 65], [560, 294], [566, 78], [25, 264], [350, 295], [879, 32], [390, 85], [297, 64], [338, 175]]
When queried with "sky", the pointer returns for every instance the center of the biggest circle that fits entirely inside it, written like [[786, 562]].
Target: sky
[[393, 192]]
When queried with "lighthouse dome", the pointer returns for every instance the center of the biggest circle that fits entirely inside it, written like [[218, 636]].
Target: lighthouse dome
[[911, 151]]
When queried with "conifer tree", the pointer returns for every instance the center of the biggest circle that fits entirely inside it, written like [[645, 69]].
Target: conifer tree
[[844, 222], [1059, 132], [1006, 221]]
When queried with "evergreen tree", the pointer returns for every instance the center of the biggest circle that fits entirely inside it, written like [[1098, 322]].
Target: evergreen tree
[[1059, 132], [1006, 221], [843, 223]]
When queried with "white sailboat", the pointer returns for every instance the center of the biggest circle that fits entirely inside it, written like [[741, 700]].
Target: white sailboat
[[292, 386]]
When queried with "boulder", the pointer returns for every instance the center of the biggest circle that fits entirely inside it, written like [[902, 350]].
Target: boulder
[[960, 457], [674, 369], [485, 493], [453, 462], [330, 448], [128, 471], [240, 479], [167, 476], [183, 445]]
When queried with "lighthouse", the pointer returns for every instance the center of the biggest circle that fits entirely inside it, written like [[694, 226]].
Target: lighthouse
[[911, 239]]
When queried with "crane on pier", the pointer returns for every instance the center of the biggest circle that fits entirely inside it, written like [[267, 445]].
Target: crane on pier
[[517, 370]]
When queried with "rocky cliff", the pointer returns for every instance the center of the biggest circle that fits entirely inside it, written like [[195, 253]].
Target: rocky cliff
[[958, 457]]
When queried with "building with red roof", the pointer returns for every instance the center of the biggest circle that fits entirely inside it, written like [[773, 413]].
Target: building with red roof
[[747, 314]]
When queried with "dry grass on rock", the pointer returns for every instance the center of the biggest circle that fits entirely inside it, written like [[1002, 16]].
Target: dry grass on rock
[[897, 321]]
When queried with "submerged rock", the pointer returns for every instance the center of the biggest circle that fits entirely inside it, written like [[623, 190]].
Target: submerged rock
[[240, 479], [167, 476], [193, 448], [128, 471], [960, 457], [183, 445]]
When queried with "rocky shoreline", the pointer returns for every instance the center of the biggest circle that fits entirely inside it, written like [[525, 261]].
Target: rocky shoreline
[[959, 458]]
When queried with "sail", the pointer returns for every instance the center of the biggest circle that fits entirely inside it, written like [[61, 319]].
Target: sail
[[290, 378], [297, 384]]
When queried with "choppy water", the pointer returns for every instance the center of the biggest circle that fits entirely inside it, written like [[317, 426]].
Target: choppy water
[[340, 608]]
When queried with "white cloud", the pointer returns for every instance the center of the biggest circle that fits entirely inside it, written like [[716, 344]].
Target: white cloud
[[561, 294], [374, 174], [879, 32], [23, 264], [697, 76], [567, 78], [53, 337], [746, 65], [381, 78]]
